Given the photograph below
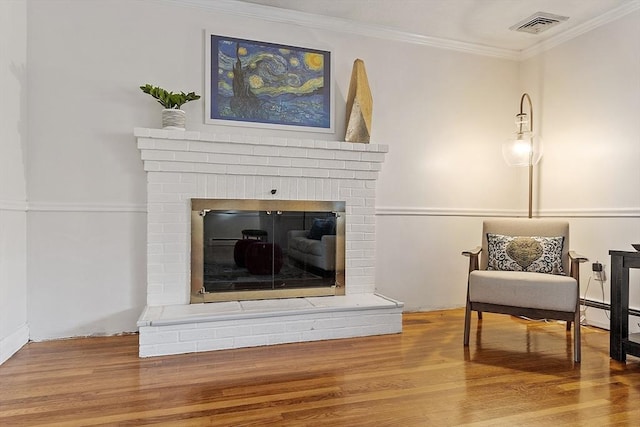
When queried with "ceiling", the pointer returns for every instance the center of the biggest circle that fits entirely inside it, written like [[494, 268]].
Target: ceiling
[[479, 22]]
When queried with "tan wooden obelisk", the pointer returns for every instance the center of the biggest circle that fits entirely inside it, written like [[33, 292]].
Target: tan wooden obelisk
[[359, 105]]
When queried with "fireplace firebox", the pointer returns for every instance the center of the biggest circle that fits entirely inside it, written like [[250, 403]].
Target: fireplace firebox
[[263, 249]]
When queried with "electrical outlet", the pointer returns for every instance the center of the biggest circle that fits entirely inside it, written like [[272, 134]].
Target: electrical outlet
[[598, 271]]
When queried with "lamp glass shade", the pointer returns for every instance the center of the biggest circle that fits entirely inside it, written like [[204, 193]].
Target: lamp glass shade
[[524, 149]]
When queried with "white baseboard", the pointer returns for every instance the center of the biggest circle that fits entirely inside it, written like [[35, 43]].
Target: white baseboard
[[598, 324], [14, 342]]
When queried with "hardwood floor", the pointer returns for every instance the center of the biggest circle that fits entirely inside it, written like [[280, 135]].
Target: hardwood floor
[[515, 372]]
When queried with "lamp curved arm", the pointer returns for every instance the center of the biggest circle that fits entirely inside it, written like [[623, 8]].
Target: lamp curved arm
[[526, 95]]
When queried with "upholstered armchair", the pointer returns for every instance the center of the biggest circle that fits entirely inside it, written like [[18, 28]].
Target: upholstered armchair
[[525, 268]]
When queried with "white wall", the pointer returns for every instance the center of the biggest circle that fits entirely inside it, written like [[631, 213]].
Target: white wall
[[443, 114], [586, 97], [446, 158], [14, 331], [588, 90], [87, 60]]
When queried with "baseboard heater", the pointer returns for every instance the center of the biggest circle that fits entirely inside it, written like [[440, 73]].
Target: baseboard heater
[[605, 306]]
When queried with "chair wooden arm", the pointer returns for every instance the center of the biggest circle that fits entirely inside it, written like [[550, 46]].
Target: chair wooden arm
[[473, 252], [473, 257], [576, 259]]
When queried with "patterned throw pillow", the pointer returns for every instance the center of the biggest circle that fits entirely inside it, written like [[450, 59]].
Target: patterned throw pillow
[[520, 253]]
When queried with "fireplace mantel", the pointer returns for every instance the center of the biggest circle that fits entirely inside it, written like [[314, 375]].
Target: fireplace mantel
[[183, 165], [249, 156]]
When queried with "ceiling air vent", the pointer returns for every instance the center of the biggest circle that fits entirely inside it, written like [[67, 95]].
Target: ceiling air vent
[[538, 22]]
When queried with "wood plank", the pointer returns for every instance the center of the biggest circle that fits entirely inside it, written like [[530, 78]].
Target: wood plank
[[515, 372]]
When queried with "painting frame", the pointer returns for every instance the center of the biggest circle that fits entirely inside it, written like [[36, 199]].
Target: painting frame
[[253, 83]]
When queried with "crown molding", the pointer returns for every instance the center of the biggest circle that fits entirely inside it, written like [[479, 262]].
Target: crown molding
[[578, 30], [309, 20], [321, 22]]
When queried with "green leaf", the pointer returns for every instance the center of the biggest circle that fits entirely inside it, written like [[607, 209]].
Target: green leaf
[[169, 99]]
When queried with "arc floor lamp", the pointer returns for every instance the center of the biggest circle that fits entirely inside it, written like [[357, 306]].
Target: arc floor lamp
[[525, 147]]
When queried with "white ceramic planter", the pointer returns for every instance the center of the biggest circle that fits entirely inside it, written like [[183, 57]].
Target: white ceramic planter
[[173, 118]]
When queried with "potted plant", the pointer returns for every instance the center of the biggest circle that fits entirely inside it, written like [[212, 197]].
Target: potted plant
[[172, 116]]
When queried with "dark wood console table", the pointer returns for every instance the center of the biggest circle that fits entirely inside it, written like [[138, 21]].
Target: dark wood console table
[[621, 343]]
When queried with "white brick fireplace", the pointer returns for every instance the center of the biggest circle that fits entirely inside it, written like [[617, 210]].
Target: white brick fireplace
[[182, 165]]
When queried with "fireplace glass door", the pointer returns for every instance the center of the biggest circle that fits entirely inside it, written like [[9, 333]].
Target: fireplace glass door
[[273, 249]]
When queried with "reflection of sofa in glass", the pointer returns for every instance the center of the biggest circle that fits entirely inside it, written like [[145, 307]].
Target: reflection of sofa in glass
[[319, 253]]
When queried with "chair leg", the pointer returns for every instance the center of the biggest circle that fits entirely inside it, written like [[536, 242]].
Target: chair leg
[[576, 338], [569, 325], [467, 324]]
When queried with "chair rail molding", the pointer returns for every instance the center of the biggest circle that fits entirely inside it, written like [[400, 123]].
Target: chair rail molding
[[544, 213], [86, 207], [13, 205], [8, 205]]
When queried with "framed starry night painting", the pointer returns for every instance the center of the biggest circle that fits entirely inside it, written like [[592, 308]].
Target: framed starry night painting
[[262, 84]]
